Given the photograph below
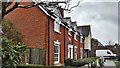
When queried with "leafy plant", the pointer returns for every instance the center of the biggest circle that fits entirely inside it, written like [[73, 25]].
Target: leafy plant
[[12, 47], [80, 62], [12, 52], [38, 66], [68, 62]]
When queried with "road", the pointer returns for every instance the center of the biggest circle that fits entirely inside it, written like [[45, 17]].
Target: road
[[109, 64]]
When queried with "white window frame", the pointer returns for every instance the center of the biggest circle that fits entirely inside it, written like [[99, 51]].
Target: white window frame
[[70, 54], [69, 32], [81, 39], [75, 36], [56, 43], [75, 52], [57, 25], [81, 53]]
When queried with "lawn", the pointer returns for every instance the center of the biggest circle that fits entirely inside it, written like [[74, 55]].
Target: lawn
[[117, 64]]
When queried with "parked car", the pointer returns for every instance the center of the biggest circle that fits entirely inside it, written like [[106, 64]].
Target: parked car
[[105, 54]]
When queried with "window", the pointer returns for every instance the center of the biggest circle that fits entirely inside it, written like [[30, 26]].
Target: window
[[75, 37], [56, 52], [57, 26], [69, 32], [81, 53], [75, 52], [81, 39], [108, 52], [70, 51]]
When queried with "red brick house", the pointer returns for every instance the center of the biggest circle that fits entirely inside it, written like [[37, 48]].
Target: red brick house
[[44, 27]]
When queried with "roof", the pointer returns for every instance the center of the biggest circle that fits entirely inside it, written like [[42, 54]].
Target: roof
[[54, 11], [51, 9], [84, 30]]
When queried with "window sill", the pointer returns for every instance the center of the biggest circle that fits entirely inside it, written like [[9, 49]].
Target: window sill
[[75, 39], [56, 63], [57, 31]]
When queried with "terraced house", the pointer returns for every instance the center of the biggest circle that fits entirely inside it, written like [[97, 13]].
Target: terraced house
[[50, 37], [85, 30]]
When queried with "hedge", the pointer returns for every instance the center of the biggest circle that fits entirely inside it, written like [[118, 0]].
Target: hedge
[[39, 66], [80, 62]]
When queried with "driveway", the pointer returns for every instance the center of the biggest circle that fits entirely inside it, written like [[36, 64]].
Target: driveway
[[109, 64]]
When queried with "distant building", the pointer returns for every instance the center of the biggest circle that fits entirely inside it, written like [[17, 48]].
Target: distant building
[[96, 45], [86, 33]]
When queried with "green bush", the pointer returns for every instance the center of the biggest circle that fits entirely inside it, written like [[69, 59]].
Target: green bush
[[117, 64], [12, 53], [100, 62], [39, 66], [80, 62], [87, 60], [68, 62], [118, 58], [93, 65]]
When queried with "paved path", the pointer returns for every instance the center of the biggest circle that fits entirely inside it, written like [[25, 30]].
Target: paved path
[[109, 64]]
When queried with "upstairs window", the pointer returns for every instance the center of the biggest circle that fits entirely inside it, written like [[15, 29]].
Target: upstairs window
[[75, 37], [75, 28], [81, 39], [57, 26], [69, 32]]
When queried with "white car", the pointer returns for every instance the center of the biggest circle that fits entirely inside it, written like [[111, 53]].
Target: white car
[[105, 53]]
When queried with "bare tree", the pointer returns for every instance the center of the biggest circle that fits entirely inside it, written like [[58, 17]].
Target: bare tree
[[110, 43], [68, 8], [16, 4]]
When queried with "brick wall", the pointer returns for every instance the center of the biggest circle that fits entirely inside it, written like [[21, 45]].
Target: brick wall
[[33, 24]]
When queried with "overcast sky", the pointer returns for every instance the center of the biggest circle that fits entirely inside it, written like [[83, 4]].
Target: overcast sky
[[101, 15]]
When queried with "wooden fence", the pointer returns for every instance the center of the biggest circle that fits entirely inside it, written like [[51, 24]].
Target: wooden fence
[[35, 56]]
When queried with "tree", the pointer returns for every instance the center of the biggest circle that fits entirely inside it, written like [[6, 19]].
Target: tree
[[110, 43], [10, 31], [12, 47]]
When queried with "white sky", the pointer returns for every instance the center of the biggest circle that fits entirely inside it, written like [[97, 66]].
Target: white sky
[[102, 15]]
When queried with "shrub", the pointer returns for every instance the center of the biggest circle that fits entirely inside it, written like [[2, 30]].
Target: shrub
[[117, 64], [39, 66], [118, 58], [12, 53], [93, 65], [78, 63], [68, 62], [12, 49]]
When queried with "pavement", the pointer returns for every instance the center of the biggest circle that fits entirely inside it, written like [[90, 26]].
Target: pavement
[[109, 64]]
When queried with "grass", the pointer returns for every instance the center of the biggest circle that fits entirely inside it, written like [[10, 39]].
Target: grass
[[117, 64]]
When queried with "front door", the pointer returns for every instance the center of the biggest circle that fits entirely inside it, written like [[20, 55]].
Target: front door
[[70, 51]]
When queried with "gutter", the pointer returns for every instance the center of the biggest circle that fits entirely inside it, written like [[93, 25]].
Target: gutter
[[64, 44], [48, 40]]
